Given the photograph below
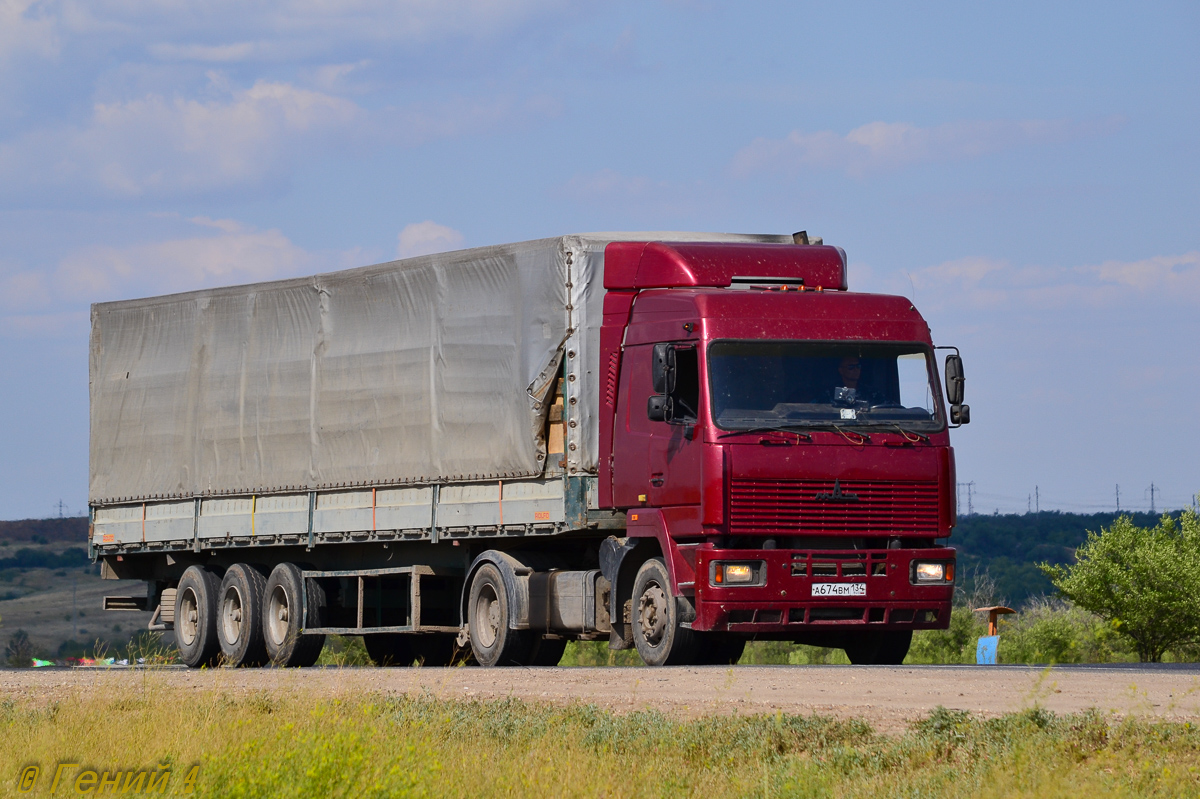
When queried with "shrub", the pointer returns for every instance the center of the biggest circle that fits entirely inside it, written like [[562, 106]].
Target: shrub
[[1145, 582], [19, 651], [1054, 631]]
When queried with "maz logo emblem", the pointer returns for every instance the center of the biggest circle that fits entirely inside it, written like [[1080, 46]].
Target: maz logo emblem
[[837, 495]]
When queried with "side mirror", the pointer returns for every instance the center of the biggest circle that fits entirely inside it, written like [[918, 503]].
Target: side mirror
[[660, 408], [663, 369], [954, 379], [960, 414]]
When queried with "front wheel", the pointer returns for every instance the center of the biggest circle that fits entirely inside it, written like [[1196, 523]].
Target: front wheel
[[658, 633]]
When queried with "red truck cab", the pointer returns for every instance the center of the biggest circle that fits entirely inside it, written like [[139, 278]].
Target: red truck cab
[[785, 443]]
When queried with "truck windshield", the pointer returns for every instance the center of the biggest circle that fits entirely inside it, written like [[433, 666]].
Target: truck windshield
[[805, 383]]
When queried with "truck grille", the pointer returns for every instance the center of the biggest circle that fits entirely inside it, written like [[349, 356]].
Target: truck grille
[[791, 507]]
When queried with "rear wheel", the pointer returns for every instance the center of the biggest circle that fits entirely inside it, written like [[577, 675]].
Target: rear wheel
[[196, 617], [488, 614], [658, 634], [240, 616], [283, 624]]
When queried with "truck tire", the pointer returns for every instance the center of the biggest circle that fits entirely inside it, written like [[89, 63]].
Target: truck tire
[[882, 648], [240, 616], [492, 642], [657, 633], [719, 650], [282, 626], [196, 617]]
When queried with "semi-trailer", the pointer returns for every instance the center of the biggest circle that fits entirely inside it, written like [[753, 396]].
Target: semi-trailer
[[677, 442]]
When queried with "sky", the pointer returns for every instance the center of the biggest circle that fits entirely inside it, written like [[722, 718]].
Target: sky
[[1027, 173]]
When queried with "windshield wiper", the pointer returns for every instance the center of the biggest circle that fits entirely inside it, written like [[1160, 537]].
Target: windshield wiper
[[911, 435], [792, 430], [843, 432]]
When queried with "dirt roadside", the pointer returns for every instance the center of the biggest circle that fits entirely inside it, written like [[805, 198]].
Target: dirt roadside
[[887, 697]]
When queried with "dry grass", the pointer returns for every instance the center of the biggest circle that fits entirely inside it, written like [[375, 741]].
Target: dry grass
[[358, 744]]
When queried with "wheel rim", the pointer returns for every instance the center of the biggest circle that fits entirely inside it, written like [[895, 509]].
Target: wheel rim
[[487, 617], [652, 614], [278, 615], [188, 623], [231, 615]]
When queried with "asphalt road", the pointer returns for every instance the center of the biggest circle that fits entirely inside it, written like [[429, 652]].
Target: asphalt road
[[887, 696]]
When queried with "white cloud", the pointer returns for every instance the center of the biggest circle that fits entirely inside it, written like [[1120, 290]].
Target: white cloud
[[881, 146], [26, 28], [424, 238], [156, 146], [216, 252], [980, 284], [297, 28], [235, 254]]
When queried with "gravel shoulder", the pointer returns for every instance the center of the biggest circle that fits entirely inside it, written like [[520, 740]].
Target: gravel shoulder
[[887, 697]]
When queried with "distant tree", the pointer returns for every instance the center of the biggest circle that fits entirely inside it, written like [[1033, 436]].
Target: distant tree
[[1145, 581], [19, 652]]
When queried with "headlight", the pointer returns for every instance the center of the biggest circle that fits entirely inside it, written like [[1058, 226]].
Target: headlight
[[735, 573], [936, 572]]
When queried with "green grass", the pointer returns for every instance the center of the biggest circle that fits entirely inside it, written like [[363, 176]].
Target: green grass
[[360, 744]]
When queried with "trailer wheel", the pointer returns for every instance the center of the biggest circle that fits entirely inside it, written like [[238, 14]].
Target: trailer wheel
[[493, 643], [196, 617], [282, 626], [657, 633], [719, 650], [882, 648], [240, 616]]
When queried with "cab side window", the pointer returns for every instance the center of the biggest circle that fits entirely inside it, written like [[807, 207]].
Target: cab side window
[[687, 385]]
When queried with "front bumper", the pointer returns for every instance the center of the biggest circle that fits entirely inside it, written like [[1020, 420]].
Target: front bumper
[[784, 602]]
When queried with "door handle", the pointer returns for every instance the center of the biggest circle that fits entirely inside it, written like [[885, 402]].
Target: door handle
[[656, 480]]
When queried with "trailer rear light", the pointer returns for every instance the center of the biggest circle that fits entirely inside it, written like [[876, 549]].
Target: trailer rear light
[[752, 573], [938, 571]]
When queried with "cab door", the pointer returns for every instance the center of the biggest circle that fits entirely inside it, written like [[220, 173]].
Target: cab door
[[657, 463], [674, 453]]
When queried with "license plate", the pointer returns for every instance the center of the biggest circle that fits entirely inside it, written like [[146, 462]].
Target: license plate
[[839, 589]]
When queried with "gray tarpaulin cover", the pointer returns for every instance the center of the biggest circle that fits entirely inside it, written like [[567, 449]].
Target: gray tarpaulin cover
[[430, 369]]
